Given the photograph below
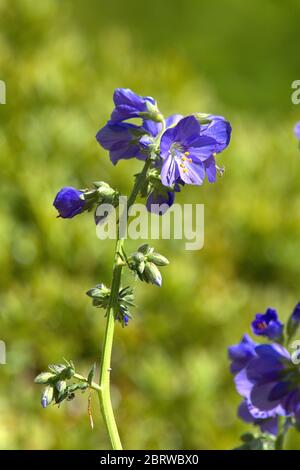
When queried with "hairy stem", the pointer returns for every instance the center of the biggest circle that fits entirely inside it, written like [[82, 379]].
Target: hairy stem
[[105, 366]]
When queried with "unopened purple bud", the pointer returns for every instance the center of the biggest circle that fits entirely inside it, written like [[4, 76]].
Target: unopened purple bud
[[152, 274], [47, 396], [44, 402], [267, 324], [69, 202]]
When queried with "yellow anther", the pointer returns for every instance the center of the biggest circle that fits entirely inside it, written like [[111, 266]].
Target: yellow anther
[[182, 165], [190, 160], [183, 159], [184, 170], [186, 153]]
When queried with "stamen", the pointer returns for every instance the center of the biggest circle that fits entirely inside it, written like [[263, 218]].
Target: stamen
[[183, 159], [220, 170], [190, 160], [184, 170], [262, 325], [186, 153], [182, 165]]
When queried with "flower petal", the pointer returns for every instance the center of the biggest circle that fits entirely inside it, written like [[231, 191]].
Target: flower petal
[[169, 171], [259, 396], [243, 384], [166, 141], [210, 169], [219, 130], [193, 173], [186, 128]]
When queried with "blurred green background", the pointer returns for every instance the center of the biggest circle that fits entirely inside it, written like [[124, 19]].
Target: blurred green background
[[61, 62]]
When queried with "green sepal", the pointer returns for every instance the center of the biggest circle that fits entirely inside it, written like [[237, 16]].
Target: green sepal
[[44, 378], [56, 368]]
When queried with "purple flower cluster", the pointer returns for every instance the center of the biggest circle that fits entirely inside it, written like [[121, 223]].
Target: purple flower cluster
[[182, 150], [184, 147], [265, 375]]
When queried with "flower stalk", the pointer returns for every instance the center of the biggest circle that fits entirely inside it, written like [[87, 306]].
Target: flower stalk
[[176, 151], [105, 367]]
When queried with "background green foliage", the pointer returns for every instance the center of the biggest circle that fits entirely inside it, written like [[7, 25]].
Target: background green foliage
[[61, 62]]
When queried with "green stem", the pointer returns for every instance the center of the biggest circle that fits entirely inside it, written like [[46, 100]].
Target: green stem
[[105, 367], [281, 433], [93, 385]]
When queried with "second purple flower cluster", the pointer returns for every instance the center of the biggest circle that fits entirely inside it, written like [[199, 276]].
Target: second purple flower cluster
[[267, 375]]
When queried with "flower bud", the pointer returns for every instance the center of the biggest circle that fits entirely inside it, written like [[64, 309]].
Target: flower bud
[[138, 257], [61, 386], [148, 143], [145, 249], [44, 378], [268, 324], [123, 318], [67, 373], [152, 112], [136, 262], [69, 202], [157, 259], [152, 274], [100, 295], [47, 396], [141, 267], [160, 201], [107, 194]]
